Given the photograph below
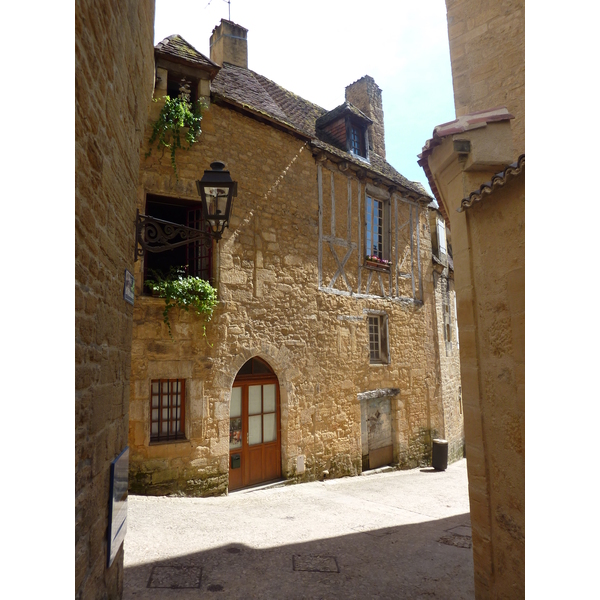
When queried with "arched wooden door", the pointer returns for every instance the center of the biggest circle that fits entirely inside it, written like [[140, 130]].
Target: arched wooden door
[[254, 426]]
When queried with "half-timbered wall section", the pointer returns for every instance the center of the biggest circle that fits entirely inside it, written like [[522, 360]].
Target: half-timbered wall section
[[348, 227]]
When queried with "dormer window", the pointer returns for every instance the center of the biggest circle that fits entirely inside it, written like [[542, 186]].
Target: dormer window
[[178, 85], [346, 128]]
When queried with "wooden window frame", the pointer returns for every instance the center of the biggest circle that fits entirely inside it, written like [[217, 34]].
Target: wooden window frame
[[384, 245], [363, 139], [176, 427], [379, 352]]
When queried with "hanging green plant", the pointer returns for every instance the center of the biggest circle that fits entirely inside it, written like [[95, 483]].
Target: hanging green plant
[[176, 114], [183, 291]]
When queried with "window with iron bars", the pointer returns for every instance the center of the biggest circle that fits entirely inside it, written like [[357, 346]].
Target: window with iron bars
[[195, 258], [167, 410]]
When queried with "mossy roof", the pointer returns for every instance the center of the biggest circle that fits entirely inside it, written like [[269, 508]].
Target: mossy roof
[[176, 47], [265, 98]]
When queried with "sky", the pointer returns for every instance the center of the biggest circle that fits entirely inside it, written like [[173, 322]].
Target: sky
[[315, 48]]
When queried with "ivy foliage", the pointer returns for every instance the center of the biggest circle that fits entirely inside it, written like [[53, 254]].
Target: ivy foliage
[[176, 114], [183, 291]]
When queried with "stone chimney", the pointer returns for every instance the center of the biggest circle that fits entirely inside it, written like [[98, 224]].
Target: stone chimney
[[365, 94], [228, 44]]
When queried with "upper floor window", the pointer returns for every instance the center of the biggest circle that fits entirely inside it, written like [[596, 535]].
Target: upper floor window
[[357, 141], [196, 257], [441, 236], [375, 227], [178, 85]]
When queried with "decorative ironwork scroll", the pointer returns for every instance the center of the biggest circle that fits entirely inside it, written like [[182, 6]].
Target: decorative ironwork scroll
[[156, 235]]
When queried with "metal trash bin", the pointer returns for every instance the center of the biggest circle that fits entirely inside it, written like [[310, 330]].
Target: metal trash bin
[[439, 455]]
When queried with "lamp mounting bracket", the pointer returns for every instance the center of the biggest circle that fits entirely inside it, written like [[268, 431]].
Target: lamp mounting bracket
[[156, 235]]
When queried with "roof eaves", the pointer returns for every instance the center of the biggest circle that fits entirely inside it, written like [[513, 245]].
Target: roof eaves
[[259, 114], [395, 178], [175, 49], [497, 181]]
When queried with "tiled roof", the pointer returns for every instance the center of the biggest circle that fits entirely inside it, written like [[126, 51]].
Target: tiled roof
[[463, 123], [176, 47], [261, 96], [498, 180], [342, 110], [264, 98]]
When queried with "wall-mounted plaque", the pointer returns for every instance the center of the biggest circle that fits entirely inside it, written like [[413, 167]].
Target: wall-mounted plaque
[[117, 510], [128, 287]]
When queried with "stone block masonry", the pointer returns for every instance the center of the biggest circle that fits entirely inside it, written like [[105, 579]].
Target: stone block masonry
[[293, 291], [113, 87]]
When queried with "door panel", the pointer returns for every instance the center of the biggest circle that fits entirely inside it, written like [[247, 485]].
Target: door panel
[[254, 431]]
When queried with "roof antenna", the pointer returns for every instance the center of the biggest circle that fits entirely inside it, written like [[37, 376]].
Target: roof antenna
[[227, 1]]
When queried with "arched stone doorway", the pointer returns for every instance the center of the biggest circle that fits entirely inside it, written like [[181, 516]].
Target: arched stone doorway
[[254, 426]]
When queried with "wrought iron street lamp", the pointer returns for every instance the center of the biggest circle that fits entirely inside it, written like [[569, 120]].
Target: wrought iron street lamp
[[216, 189]]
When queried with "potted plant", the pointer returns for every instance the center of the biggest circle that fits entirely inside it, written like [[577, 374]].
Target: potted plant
[[380, 264], [183, 291], [178, 116]]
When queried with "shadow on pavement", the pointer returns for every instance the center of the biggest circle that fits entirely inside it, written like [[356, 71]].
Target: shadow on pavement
[[432, 559]]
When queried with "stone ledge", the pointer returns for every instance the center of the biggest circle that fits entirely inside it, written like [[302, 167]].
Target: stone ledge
[[370, 395]]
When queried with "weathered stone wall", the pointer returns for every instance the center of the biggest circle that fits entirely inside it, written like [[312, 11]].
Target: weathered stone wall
[[113, 85], [487, 51], [487, 47], [449, 364], [491, 307], [270, 306]]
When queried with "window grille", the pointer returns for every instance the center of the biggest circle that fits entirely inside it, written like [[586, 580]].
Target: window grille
[[167, 406]]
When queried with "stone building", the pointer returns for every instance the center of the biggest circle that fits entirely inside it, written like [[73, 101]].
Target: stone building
[[476, 168], [446, 328], [317, 362], [113, 91]]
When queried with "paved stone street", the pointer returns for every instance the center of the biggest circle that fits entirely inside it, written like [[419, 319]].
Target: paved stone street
[[398, 534]]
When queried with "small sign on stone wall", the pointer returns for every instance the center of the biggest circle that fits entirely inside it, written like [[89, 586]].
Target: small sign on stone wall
[[128, 287], [117, 510]]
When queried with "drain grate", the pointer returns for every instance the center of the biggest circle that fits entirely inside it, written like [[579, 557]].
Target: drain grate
[[175, 577], [317, 563]]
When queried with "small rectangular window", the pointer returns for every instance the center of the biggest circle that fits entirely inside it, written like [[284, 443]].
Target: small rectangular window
[[441, 236], [375, 228], [357, 141], [167, 410], [378, 339]]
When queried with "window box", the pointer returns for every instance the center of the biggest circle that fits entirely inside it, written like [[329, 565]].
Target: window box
[[377, 266]]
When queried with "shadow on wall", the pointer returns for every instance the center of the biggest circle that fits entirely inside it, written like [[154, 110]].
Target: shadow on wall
[[424, 560]]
